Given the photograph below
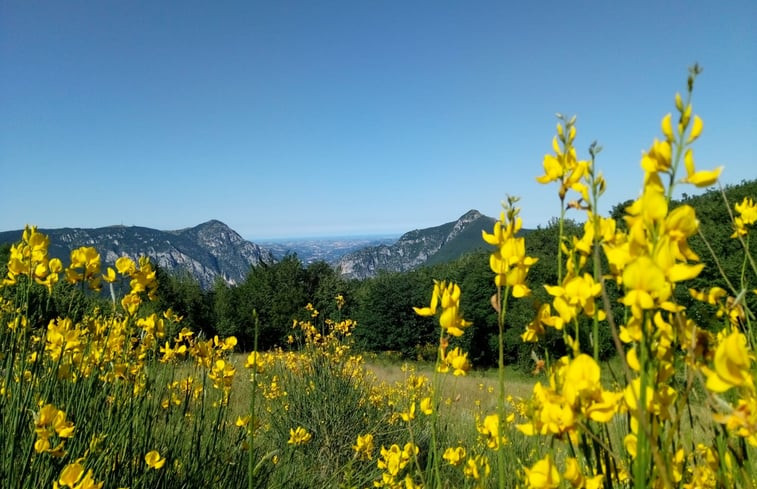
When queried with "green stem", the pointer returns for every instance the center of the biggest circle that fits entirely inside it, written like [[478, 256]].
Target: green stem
[[501, 394], [251, 437], [679, 144], [559, 242], [596, 263], [433, 460]]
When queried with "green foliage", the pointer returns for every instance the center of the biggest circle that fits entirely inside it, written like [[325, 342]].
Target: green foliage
[[278, 293], [386, 320], [715, 231], [183, 294], [331, 403]]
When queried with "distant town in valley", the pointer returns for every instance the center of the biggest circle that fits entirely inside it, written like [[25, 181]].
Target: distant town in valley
[[323, 248]]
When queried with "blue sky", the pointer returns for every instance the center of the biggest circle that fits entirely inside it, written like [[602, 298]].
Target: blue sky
[[305, 118]]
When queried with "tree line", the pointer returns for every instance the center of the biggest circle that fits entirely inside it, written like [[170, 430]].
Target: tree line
[[383, 305]]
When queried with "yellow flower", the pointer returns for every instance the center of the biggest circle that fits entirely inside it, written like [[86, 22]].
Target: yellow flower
[[630, 443], [431, 309], [71, 474], [658, 158], [126, 266], [576, 295], [426, 406], [490, 431], [477, 466], [747, 210], [87, 259], [408, 415], [645, 283], [395, 459], [552, 169], [448, 294], [604, 407], [364, 447], [573, 472], [110, 275], [581, 378], [563, 166], [154, 460], [553, 414], [299, 436], [454, 456], [701, 178], [255, 361], [732, 364], [543, 474], [456, 360], [509, 261], [130, 303], [50, 421], [747, 216]]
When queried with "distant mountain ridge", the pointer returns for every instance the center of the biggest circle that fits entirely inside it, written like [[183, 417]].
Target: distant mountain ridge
[[419, 247], [206, 251]]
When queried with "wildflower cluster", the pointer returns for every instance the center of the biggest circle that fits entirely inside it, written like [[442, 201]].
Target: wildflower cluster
[[72, 383], [448, 295], [509, 261], [73, 476], [29, 258], [393, 461], [51, 423], [648, 256]]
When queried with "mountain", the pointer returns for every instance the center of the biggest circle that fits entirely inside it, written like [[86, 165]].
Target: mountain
[[419, 247], [206, 251]]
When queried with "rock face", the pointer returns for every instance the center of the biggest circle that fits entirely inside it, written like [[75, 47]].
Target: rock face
[[419, 247], [206, 251]]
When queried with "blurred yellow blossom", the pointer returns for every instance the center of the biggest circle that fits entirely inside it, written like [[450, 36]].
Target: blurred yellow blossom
[[154, 460]]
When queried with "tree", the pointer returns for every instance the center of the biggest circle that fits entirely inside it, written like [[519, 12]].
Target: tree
[[182, 293]]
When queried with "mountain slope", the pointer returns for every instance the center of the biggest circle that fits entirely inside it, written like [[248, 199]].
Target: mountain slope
[[206, 251], [419, 247]]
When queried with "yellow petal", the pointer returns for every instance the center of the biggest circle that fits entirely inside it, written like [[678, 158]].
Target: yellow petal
[[110, 276], [688, 160], [704, 178], [696, 129], [554, 290], [667, 127], [71, 474], [423, 311], [679, 102], [714, 382]]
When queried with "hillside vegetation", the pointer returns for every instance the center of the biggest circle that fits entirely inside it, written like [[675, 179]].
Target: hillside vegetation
[[383, 305]]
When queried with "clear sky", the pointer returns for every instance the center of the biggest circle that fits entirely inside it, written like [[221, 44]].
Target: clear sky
[[284, 118]]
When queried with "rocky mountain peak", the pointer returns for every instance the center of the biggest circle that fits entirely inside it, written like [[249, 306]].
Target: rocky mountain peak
[[206, 251], [419, 247], [470, 216]]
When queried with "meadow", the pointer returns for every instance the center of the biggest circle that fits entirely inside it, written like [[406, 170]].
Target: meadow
[[124, 396]]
